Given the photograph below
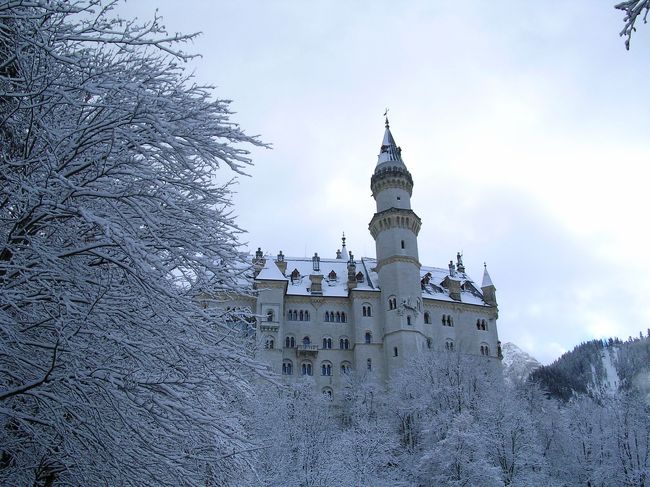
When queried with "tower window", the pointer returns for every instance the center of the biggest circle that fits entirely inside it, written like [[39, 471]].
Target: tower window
[[369, 364], [395, 352], [427, 318], [402, 243], [408, 320], [368, 337]]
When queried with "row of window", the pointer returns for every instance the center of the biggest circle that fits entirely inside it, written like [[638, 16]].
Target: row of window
[[447, 320], [481, 325], [296, 315], [338, 317], [306, 367], [290, 342], [344, 344]]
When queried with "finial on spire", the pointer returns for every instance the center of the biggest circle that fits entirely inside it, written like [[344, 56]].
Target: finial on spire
[[386, 115]]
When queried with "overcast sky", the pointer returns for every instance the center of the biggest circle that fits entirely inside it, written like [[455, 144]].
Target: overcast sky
[[524, 125]]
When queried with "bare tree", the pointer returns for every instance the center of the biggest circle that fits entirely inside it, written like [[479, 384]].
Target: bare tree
[[110, 222]]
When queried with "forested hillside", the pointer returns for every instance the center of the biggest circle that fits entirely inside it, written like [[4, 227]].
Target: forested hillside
[[597, 367]]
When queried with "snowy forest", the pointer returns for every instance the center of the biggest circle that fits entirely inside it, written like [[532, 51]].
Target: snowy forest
[[113, 221]]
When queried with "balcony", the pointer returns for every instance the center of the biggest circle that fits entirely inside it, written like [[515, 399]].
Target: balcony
[[305, 350]]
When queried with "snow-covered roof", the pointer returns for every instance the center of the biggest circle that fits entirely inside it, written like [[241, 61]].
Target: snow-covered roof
[[335, 279], [270, 272]]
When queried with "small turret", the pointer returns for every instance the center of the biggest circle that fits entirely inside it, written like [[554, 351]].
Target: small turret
[[488, 289]]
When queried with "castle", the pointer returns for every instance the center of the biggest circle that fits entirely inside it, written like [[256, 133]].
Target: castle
[[325, 317]]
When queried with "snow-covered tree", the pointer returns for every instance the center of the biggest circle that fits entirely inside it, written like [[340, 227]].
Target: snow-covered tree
[[633, 10], [111, 221]]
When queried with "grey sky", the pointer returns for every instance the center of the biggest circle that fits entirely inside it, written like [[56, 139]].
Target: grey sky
[[524, 125]]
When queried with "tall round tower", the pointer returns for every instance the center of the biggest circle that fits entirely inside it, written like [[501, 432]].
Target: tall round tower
[[395, 228]]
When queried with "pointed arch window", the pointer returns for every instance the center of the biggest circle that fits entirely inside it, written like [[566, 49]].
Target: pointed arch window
[[368, 337], [344, 343], [289, 342], [327, 343]]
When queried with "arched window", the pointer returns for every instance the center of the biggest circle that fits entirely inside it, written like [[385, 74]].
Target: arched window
[[395, 352], [289, 342], [368, 310], [346, 367], [449, 345], [368, 337], [269, 343], [344, 343], [343, 318], [369, 364], [392, 303], [427, 318], [306, 368], [326, 369], [327, 316], [450, 321], [338, 317], [408, 320], [302, 315], [306, 341], [478, 324], [327, 392], [483, 325], [269, 315], [327, 343], [444, 320], [306, 315], [287, 367], [485, 350]]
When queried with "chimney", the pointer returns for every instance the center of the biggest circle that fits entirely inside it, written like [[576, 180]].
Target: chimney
[[280, 262]]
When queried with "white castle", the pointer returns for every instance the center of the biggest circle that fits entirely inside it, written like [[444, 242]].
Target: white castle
[[326, 317]]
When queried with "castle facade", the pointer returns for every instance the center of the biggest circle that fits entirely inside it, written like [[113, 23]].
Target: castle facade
[[324, 318]]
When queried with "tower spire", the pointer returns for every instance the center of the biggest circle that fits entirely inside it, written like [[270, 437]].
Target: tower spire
[[389, 151]]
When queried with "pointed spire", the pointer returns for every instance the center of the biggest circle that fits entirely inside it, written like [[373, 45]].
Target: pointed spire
[[389, 150], [487, 281], [344, 250]]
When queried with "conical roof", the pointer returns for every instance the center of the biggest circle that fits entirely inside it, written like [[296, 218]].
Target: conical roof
[[389, 151], [487, 281]]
